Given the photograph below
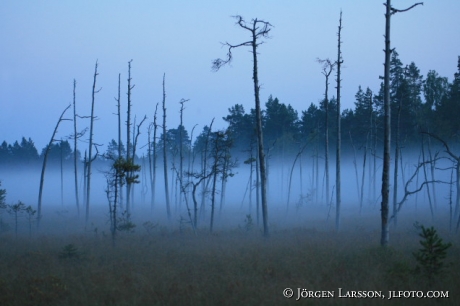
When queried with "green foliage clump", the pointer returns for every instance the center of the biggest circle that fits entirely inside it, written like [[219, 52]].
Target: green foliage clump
[[431, 256], [69, 251]]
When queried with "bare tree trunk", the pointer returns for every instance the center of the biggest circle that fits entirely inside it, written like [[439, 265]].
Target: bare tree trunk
[[45, 158], [263, 177], [190, 157], [426, 179], [355, 165], [258, 190], [85, 170], [119, 190], [225, 166], [385, 237], [257, 32], [129, 157], [299, 154], [181, 153], [432, 168], [133, 178], [251, 170], [317, 163], [361, 197], [154, 168], [328, 66], [204, 170], [75, 157], [90, 149], [451, 183], [397, 151], [214, 179], [339, 132], [165, 161], [62, 172]]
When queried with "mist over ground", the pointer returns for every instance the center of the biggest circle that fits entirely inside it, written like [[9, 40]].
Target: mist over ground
[[304, 205]]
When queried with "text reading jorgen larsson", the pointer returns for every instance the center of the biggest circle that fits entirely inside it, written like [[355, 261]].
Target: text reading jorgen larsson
[[301, 293]]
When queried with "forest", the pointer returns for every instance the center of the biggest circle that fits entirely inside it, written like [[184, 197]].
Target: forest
[[423, 121], [163, 216]]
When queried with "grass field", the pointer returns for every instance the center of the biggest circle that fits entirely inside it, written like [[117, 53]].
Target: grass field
[[163, 266]]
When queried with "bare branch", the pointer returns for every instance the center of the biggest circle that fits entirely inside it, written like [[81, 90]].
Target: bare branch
[[218, 63], [256, 32], [328, 66], [394, 11], [408, 192], [448, 151]]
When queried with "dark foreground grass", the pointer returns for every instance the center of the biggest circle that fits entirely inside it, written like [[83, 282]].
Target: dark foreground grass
[[227, 268]]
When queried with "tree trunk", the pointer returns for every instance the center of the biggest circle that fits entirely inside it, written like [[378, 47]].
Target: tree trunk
[[42, 176], [119, 181], [62, 173], [165, 161], [75, 157], [213, 190], [397, 150], [128, 143], [339, 132], [260, 138], [426, 179], [385, 235], [90, 148]]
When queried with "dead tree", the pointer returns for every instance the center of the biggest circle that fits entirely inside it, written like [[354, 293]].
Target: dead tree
[[90, 148], [397, 152], [191, 157], [165, 161], [181, 153], [45, 158], [204, 166], [75, 165], [200, 178], [456, 159], [75, 137], [426, 178], [328, 67], [339, 131], [259, 29], [129, 155], [290, 175], [221, 144], [118, 99], [385, 236], [152, 157], [408, 192]]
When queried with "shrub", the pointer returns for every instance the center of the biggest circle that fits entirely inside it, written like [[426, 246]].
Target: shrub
[[69, 251], [431, 256]]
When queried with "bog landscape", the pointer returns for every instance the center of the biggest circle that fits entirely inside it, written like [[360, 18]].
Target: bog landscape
[[323, 205]]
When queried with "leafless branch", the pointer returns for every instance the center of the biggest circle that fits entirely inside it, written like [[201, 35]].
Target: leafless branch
[[408, 192], [328, 66], [257, 32], [394, 11], [448, 150]]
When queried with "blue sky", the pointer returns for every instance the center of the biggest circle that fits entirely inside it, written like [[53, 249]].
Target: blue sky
[[47, 44]]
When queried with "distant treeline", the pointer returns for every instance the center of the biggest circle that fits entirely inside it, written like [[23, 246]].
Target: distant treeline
[[419, 103]]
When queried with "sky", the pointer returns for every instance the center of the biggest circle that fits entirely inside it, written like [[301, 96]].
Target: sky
[[47, 44]]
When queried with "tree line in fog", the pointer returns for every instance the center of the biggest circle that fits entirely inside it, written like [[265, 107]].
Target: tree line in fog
[[419, 103]]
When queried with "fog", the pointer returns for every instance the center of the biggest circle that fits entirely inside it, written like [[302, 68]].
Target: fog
[[305, 204]]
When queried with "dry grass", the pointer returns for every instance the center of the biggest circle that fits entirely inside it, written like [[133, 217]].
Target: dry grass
[[231, 267]]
